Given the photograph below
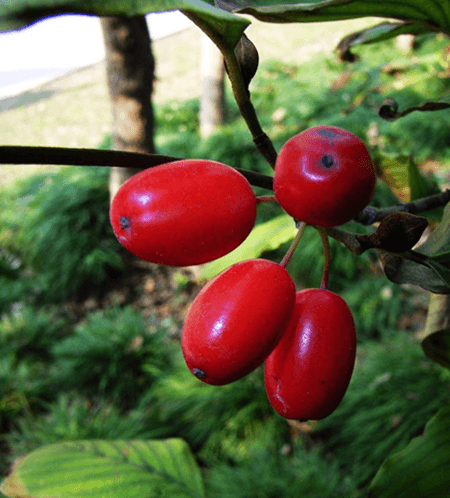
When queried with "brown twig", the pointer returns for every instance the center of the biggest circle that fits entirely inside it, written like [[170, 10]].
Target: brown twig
[[371, 214]]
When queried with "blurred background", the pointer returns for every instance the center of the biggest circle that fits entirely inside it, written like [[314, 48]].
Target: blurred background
[[30, 57], [89, 335]]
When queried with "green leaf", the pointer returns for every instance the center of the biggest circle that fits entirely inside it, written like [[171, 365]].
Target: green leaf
[[443, 271], [106, 469], [394, 172], [419, 184], [404, 178], [389, 109], [265, 237], [425, 273], [429, 265], [379, 32], [437, 347], [442, 258], [422, 469], [16, 14], [438, 243], [433, 13]]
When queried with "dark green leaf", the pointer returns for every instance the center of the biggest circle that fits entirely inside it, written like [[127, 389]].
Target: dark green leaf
[[389, 109], [419, 184], [433, 13], [380, 32], [425, 273], [422, 469], [16, 14], [443, 271], [437, 347], [107, 469], [443, 257], [429, 266]]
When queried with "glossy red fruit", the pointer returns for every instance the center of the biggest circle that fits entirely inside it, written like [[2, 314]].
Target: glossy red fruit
[[183, 213], [236, 320], [307, 374], [324, 176]]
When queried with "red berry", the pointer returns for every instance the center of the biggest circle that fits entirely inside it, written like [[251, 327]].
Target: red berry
[[324, 176], [236, 320], [183, 213], [307, 374]]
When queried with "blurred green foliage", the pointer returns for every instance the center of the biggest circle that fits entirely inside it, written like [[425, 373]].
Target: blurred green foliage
[[30, 333], [26, 337], [74, 417], [268, 474], [290, 98], [377, 305], [221, 423], [394, 391], [57, 226], [115, 354]]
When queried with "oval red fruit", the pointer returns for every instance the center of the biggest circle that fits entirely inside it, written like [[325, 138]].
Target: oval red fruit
[[236, 320], [307, 374], [183, 213], [324, 176]]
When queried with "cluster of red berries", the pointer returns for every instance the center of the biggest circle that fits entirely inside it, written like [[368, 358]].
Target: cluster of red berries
[[193, 211]]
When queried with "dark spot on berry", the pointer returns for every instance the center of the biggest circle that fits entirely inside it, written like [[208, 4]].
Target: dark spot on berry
[[125, 223], [327, 161], [200, 374], [328, 133]]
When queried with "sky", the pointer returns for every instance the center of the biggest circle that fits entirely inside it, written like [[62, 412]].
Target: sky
[[33, 55]]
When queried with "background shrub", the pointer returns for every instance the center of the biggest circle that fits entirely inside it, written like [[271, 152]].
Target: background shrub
[[57, 226], [115, 354], [73, 417], [270, 475], [394, 391]]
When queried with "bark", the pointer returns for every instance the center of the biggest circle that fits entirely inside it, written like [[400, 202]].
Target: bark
[[212, 99], [130, 72]]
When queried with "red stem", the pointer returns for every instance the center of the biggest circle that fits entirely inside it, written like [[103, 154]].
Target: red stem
[[290, 252], [326, 255], [266, 198]]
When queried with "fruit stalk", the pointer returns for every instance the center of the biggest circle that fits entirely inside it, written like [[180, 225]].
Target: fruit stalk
[[326, 257], [287, 257], [266, 198]]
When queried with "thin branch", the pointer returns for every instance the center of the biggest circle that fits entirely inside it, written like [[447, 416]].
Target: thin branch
[[350, 240], [12, 154], [240, 90], [21, 155], [371, 214]]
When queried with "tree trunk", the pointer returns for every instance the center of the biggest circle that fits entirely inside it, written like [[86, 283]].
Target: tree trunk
[[212, 99], [130, 69]]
